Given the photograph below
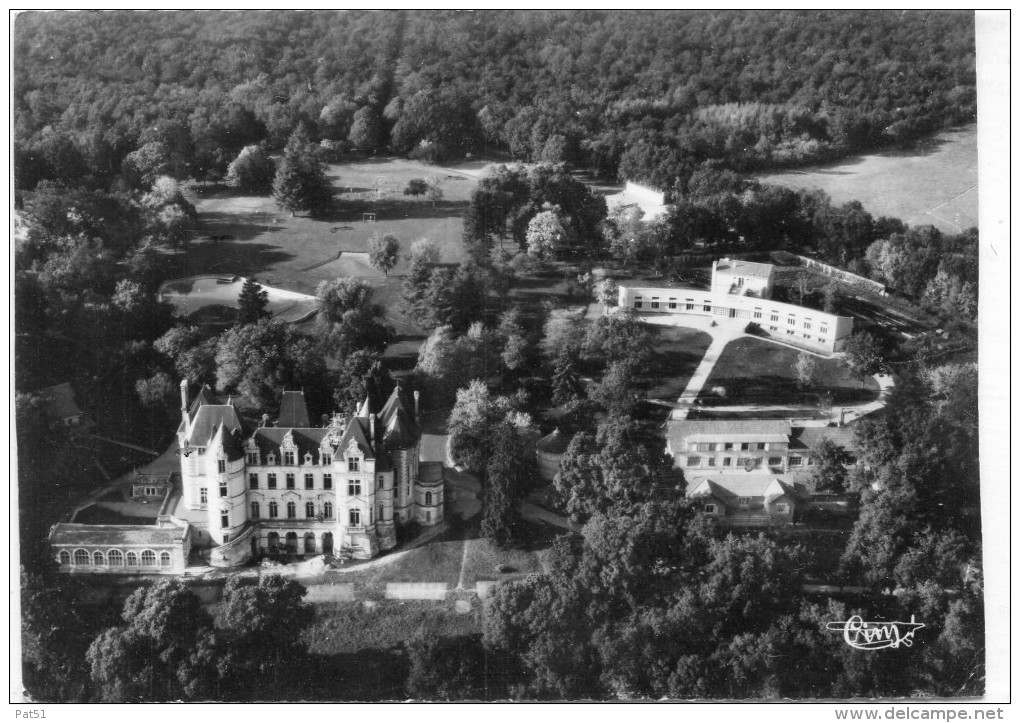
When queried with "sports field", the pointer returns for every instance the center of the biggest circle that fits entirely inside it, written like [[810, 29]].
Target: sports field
[[934, 183]]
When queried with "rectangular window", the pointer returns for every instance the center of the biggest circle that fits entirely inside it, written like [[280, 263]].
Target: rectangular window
[[203, 495], [791, 321], [201, 451], [290, 480], [221, 465], [354, 487], [224, 520], [744, 501], [728, 446], [309, 482], [711, 446], [773, 328], [710, 509], [327, 481], [353, 464], [775, 461], [708, 307], [638, 304], [672, 303], [288, 458], [774, 317], [711, 461], [790, 332], [223, 489], [253, 480], [693, 461], [744, 446], [354, 516], [690, 305], [727, 462], [742, 461], [807, 336], [757, 315], [252, 457], [807, 324], [823, 329], [782, 508], [795, 460], [327, 459], [271, 480]]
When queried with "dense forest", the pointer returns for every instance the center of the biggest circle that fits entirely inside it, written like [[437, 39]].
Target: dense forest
[[646, 96]]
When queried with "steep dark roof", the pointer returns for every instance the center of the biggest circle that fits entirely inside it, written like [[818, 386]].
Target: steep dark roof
[[725, 487], [293, 411], [401, 432], [307, 441], [231, 441], [203, 398], [555, 443], [207, 421], [358, 430]]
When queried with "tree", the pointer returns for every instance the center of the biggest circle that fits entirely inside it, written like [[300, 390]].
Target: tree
[[443, 668], [252, 302], [862, 355], [193, 355], [384, 252], [546, 235], [435, 190], [366, 130], [830, 474], [805, 367], [342, 296], [301, 183], [468, 426], [252, 171], [504, 485], [615, 391], [416, 187], [360, 374], [156, 391], [423, 251]]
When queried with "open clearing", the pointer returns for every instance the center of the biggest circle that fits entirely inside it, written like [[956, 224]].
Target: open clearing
[[935, 183], [191, 295]]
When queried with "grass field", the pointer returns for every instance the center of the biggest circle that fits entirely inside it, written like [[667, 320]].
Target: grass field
[[676, 354], [934, 183], [753, 371]]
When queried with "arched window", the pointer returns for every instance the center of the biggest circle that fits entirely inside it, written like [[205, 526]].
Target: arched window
[[115, 558], [148, 558], [428, 498], [309, 542], [65, 557], [291, 510], [292, 542], [132, 559], [274, 509], [309, 509], [327, 509], [164, 559], [354, 516], [255, 512], [98, 559], [81, 557], [273, 540]]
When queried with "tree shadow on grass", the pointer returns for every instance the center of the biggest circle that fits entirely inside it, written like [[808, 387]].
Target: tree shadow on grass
[[237, 226], [391, 209], [227, 257]]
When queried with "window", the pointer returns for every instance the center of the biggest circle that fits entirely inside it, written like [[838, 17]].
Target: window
[[727, 462], [308, 458], [672, 303], [327, 510], [271, 480], [711, 446], [203, 495], [807, 324], [759, 446], [795, 460], [354, 487], [271, 459], [428, 498], [728, 446], [710, 509], [164, 559], [744, 446], [224, 519], [309, 482], [807, 336], [823, 329], [201, 451], [711, 461], [288, 458], [291, 510], [655, 302], [773, 328], [115, 558], [221, 465], [327, 459], [708, 307], [637, 302], [355, 517], [256, 510], [148, 558], [290, 480], [253, 480], [64, 557], [252, 457], [380, 512], [782, 508], [690, 305], [274, 510], [309, 542], [742, 461], [132, 560], [371, 515], [309, 509], [757, 315], [744, 501], [97, 559], [428, 516], [327, 481], [774, 317], [223, 489], [790, 332], [353, 464], [775, 461], [693, 461]]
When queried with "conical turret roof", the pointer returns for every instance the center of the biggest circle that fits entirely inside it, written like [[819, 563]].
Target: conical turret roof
[[554, 443]]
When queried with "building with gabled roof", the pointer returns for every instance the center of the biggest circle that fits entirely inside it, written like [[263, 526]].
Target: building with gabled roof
[[60, 408], [749, 499]]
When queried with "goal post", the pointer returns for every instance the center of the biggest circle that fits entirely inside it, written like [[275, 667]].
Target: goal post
[[368, 218]]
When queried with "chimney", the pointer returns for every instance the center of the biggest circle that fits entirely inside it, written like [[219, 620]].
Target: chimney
[[416, 395], [265, 420], [184, 400], [325, 420], [371, 429]]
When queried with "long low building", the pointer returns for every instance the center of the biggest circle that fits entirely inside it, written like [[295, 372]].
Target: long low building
[[739, 298], [160, 549]]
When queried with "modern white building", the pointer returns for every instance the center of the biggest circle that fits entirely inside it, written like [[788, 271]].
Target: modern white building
[[739, 297]]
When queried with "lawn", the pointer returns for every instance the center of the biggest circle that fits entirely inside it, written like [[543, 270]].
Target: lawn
[[349, 627], [759, 372], [676, 354], [483, 559], [436, 561]]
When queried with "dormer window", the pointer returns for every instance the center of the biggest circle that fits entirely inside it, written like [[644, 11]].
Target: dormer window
[[327, 459], [288, 458], [201, 451], [308, 458], [271, 459], [252, 457], [353, 464], [221, 465]]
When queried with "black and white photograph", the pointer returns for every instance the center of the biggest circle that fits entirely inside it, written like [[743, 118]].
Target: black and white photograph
[[502, 356]]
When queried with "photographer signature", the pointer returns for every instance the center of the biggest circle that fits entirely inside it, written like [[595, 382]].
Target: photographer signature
[[874, 636]]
